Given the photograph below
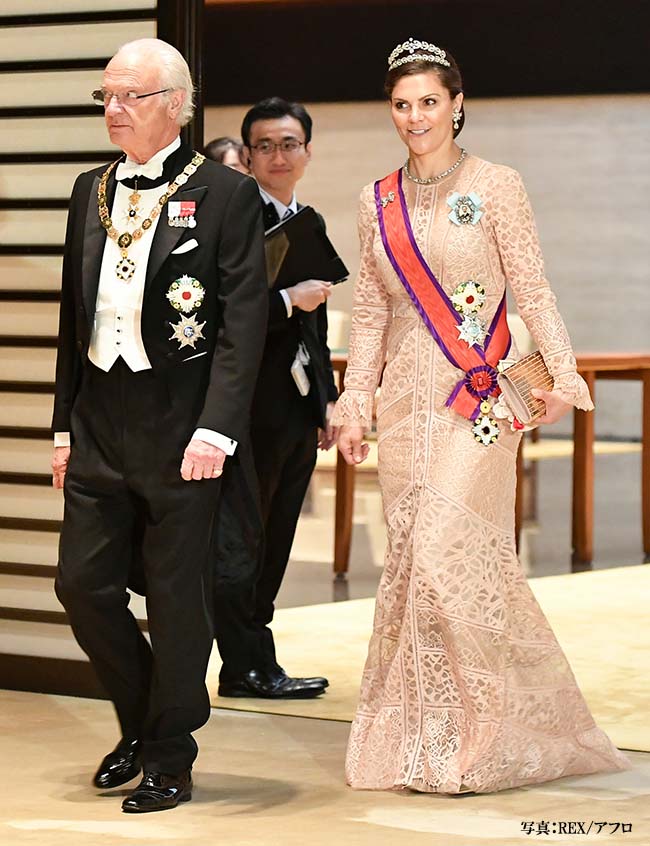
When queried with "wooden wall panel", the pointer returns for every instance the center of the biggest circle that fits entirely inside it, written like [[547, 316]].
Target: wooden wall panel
[[53, 135], [30, 273], [45, 7], [92, 40]]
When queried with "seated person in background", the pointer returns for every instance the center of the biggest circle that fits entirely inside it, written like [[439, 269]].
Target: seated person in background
[[227, 151], [288, 423]]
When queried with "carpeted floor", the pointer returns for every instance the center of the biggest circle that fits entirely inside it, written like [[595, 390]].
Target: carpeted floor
[[600, 619], [264, 780]]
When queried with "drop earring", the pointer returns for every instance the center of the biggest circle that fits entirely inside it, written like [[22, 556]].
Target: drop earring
[[455, 116]]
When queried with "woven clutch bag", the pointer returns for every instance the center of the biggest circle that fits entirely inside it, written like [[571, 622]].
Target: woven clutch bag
[[516, 383]]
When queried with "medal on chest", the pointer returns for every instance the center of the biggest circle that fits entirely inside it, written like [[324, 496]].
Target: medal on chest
[[125, 267], [181, 213]]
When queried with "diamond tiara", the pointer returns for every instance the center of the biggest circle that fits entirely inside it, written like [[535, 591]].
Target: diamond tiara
[[417, 51]]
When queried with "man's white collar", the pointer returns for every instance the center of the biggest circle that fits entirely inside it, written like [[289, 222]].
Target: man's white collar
[[279, 206], [152, 169]]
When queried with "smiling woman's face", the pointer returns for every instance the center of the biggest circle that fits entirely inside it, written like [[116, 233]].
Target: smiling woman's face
[[421, 108]]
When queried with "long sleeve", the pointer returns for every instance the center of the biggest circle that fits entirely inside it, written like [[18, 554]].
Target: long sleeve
[[523, 265], [68, 360], [371, 318], [321, 322]]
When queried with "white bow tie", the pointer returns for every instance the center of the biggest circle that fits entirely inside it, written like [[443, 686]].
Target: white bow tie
[[127, 170]]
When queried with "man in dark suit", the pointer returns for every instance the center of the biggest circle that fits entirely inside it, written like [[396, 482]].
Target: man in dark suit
[[293, 401], [163, 302]]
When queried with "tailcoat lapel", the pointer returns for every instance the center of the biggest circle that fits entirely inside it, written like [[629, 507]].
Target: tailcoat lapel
[[166, 237], [93, 247]]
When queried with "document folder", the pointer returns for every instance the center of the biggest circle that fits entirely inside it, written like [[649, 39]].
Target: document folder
[[298, 248]]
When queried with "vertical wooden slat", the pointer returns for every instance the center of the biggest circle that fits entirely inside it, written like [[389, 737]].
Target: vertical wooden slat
[[645, 465], [180, 22], [583, 483]]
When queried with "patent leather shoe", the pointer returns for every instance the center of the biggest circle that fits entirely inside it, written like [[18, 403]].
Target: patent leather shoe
[[120, 765], [310, 680], [159, 792], [257, 683]]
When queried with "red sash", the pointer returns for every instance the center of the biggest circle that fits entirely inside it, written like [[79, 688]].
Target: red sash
[[478, 363]]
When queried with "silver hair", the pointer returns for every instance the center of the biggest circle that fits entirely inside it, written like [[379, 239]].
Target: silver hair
[[174, 72]]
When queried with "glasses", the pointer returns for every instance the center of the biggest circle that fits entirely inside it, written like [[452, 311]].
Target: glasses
[[267, 148], [103, 97]]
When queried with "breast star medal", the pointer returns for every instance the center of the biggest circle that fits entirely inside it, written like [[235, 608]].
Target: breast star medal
[[468, 299], [186, 294], [187, 332], [465, 208]]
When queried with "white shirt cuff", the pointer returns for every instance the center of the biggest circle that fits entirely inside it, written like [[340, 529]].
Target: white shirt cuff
[[287, 302], [226, 444], [62, 439]]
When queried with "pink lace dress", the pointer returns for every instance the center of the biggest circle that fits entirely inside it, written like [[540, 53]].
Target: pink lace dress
[[465, 685]]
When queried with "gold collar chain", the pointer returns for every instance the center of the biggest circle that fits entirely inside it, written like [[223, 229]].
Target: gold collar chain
[[125, 268]]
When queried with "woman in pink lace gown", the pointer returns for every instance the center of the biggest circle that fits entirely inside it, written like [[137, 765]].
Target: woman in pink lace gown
[[465, 686]]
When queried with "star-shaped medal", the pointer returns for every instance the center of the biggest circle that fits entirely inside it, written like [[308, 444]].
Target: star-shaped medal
[[187, 331], [472, 330]]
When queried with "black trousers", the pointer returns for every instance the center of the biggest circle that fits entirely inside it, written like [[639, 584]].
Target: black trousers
[[284, 460], [128, 510]]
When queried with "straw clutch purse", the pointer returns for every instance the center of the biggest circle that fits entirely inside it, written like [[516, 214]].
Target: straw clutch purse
[[516, 383]]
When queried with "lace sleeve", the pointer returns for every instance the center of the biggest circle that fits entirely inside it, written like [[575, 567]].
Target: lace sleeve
[[371, 316], [522, 261]]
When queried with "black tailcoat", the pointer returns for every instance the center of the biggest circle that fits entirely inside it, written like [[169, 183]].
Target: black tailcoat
[[126, 507]]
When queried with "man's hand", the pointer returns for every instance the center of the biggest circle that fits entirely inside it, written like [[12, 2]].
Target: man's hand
[[327, 436], [310, 294], [556, 406], [201, 460], [351, 444], [60, 461]]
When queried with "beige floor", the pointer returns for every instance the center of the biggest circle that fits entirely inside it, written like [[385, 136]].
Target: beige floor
[[266, 780], [600, 618]]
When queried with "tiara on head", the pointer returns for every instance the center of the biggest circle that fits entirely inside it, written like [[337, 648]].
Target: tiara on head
[[417, 51]]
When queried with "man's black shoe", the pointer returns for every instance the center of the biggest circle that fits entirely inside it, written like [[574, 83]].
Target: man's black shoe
[[120, 765], [257, 683], [310, 680], [159, 792]]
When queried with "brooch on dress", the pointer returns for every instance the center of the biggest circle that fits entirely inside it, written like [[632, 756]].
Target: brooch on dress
[[186, 294], [465, 208], [468, 299], [389, 198]]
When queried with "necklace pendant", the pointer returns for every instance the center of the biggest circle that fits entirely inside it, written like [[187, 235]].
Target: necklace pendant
[[124, 269]]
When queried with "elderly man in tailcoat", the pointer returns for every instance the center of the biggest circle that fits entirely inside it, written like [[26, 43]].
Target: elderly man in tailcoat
[[163, 317]]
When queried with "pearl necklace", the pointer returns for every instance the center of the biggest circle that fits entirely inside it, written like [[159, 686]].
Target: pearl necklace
[[431, 179], [125, 267]]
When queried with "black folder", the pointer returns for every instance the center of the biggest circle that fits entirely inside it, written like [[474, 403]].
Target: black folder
[[298, 248]]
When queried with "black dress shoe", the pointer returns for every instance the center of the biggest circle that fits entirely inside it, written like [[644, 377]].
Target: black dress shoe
[[316, 681], [159, 792], [120, 765], [257, 683]]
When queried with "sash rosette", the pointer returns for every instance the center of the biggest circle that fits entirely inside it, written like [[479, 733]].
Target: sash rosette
[[478, 362]]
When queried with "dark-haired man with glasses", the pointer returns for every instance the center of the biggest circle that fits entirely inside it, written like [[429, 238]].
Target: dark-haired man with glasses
[[292, 405]]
